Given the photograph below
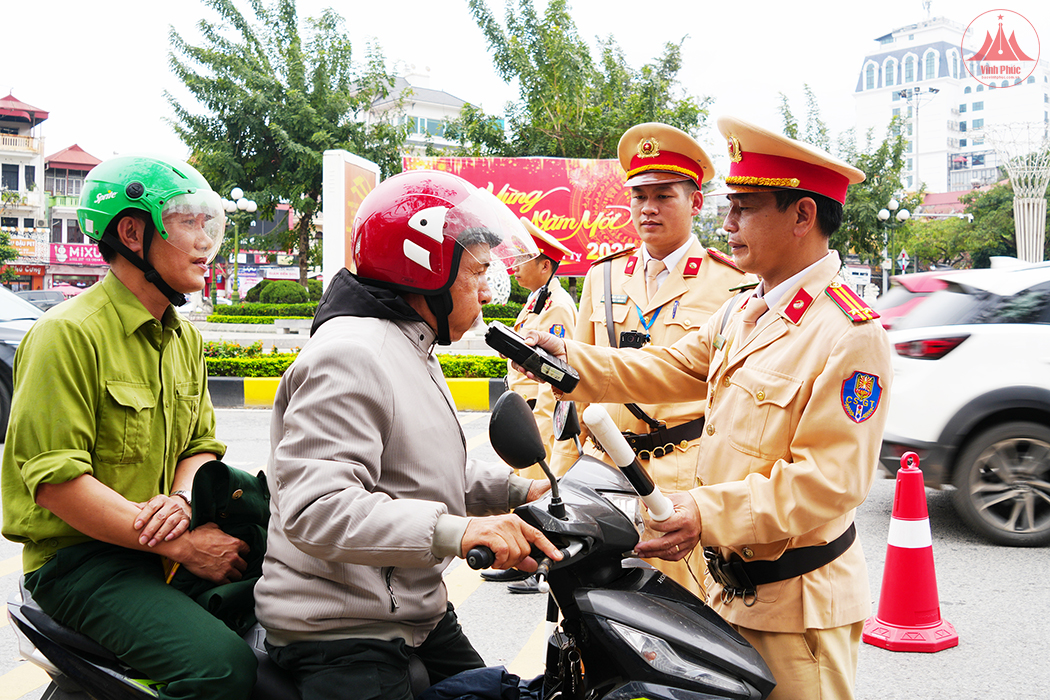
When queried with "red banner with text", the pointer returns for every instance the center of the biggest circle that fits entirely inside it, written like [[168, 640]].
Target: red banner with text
[[582, 203]]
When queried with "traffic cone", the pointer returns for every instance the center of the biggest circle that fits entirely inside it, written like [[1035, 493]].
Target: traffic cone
[[909, 617]]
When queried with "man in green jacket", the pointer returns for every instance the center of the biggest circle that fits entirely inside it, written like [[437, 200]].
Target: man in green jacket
[[110, 420]]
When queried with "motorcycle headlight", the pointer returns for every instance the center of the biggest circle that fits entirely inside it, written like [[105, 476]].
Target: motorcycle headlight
[[629, 505], [659, 654]]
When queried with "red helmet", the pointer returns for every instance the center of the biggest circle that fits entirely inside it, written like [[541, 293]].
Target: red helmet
[[411, 229]]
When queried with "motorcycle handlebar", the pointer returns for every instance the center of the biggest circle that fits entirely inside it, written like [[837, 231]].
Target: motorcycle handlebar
[[480, 557]]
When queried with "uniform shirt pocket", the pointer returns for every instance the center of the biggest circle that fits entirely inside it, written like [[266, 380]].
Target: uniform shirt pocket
[[619, 314], [686, 317], [187, 406], [761, 420], [125, 422]]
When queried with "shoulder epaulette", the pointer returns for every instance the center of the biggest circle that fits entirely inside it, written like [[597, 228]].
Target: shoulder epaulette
[[716, 254], [612, 256], [852, 305]]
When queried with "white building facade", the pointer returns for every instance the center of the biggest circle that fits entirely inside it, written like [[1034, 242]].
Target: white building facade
[[918, 73]]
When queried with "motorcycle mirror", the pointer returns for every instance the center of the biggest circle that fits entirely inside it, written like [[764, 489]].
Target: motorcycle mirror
[[566, 421], [513, 432]]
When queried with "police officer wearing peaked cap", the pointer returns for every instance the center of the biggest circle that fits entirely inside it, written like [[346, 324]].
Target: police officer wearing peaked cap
[[658, 293], [798, 378]]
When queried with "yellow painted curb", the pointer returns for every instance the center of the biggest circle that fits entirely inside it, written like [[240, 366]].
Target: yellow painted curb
[[259, 391], [470, 394]]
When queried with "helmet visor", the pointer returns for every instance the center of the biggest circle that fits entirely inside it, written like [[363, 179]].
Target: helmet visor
[[195, 223], [482, 219]]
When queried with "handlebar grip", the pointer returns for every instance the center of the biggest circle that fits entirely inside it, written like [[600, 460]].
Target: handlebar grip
[[480, 557]]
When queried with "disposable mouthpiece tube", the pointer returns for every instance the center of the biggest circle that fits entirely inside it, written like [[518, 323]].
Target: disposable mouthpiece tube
[[615, 445]]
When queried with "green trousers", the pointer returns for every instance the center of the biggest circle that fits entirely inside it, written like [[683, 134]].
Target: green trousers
[[375, 669], [118, 598]]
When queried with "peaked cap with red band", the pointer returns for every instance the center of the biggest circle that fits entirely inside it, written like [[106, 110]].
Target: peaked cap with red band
[[548, 244], [762, 161], [654, 153]]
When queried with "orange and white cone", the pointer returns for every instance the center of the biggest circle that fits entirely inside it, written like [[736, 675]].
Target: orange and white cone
[[909, 617]]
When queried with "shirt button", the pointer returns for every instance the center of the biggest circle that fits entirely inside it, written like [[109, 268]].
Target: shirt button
[[725, 380], [710, 429], [748, 553], [761, 395]]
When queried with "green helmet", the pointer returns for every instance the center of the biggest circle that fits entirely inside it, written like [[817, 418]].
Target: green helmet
[[158, 186]]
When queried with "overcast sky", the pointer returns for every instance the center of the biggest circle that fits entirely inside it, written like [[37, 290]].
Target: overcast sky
[[100, 68]]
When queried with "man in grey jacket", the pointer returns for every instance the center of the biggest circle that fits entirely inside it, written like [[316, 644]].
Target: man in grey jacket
[[372, 490]]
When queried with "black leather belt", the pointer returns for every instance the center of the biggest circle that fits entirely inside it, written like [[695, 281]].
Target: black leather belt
[[740, 578], [663, 440]]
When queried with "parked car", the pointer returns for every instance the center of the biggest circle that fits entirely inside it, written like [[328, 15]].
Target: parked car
[[43, 299], [971, 396], [16, 318], [906, 292]]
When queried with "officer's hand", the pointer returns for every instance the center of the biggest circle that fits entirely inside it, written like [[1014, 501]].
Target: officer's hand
[[510, 538], [162, 519], [551, 343], [213, 555], [537, 489], [682, 531]]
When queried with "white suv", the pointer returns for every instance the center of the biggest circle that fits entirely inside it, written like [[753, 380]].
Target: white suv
[[971, 396]]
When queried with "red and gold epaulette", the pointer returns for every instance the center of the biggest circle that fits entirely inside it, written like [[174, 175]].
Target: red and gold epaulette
[[612, 256], [851, 304], [721, 257], [692, 267]]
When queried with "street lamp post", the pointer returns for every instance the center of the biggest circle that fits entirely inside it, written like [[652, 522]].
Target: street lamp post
[[237, 203], [887, 253]]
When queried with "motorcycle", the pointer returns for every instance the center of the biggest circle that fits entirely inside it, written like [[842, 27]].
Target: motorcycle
[[81, 669], [627, 630]]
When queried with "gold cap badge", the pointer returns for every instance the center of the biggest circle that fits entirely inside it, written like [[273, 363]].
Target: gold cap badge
[[735, 153], [648, 148]]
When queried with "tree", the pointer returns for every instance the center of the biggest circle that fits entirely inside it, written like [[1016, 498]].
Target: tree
[[277, 96], [572, 105], [861, 232]]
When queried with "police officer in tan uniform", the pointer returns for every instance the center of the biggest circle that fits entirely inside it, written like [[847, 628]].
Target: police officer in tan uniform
[[549, 308], [686, 284], [798, 378]]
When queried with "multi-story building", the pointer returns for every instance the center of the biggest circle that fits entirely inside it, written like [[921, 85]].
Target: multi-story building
[[38, 204], [412, 101], [919, 73], [72, 259], [23, 202]]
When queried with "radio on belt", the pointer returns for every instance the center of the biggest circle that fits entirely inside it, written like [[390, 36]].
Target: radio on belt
[[537, 360]]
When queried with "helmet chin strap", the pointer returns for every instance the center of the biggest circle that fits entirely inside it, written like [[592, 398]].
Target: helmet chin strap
[[441, 306], [152, 276]]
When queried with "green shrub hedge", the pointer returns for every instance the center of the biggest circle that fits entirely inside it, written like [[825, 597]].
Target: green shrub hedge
[[232, 360], [306, 310], [472, 366], [258, 320], [284, 292], [263, 366], [509, 310]]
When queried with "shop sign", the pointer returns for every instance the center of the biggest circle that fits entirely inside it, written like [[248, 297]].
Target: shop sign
[[76, 254], [24, 270]]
